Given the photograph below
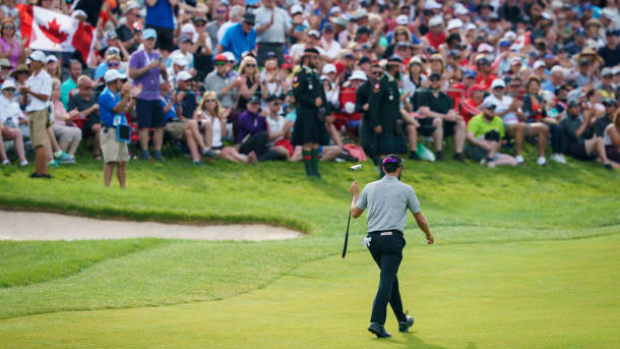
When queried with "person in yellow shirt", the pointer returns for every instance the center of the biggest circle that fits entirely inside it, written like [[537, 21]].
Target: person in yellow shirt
[[484, 134]]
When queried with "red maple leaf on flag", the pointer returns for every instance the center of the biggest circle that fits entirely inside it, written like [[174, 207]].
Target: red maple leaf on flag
[[53, 32]]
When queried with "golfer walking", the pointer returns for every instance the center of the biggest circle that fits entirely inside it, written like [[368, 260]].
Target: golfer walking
[[387, 201]]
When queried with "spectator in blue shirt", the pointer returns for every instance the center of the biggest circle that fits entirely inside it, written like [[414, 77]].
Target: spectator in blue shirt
[[240, 37], [159, 16], [112, 109]]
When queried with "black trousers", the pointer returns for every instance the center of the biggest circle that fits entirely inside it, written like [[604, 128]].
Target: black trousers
[[387, 251], [258, 143]]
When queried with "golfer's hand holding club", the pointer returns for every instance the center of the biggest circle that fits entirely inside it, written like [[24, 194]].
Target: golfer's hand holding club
[[355, 193]]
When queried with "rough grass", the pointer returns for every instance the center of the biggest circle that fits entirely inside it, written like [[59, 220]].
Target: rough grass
[[497, 231]]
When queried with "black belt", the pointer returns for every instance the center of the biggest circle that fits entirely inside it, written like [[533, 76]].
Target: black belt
[[106, 127], [383, 232]]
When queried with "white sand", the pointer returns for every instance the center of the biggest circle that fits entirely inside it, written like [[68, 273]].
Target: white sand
[[50, 226]]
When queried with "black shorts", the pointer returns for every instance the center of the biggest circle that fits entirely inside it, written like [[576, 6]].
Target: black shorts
[[164, 38], [578, 151], [448, 128], [426, 128], [150, 114]]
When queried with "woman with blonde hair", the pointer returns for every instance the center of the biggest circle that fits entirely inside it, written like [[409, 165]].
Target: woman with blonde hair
[[248, 82], [9, 47], [401, 33], [212, 120]]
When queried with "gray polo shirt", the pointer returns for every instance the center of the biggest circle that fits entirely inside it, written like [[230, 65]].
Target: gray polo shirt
[[387, 201], [215, 82], [276, 33]]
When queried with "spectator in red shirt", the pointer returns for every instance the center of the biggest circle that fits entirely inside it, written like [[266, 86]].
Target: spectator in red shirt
[[436, 35], [471, 106], [485, 76]]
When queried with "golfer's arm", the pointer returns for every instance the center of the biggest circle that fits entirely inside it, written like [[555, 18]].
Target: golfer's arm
[[422, 223], [355, 211]]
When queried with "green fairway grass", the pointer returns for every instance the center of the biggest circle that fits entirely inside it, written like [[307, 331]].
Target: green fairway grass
[[525, 257]]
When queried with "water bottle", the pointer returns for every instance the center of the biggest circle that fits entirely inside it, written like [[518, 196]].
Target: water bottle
[[117, 120]]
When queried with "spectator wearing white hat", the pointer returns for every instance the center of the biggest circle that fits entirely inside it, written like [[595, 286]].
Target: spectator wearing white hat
[[312, 40], [185, 50], [115, 100], [436, 35], [129, 36], [51, 66], [36, 96], [11, 116], [179, 64]]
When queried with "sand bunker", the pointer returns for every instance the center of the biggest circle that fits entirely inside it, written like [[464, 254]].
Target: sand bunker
[[50, 226]]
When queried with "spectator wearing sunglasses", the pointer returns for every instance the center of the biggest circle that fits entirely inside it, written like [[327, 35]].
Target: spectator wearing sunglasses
[[240, 37], [85, 103], [10, 48], [221, 12], [222, 82], [129, 36]]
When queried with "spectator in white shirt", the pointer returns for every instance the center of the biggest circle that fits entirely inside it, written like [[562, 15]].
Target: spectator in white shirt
[[10, 118]]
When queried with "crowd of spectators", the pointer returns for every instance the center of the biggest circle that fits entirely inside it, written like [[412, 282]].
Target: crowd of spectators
[[217, 79]]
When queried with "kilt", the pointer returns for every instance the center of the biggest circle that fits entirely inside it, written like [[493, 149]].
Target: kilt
[[389, 143], [308, 129]]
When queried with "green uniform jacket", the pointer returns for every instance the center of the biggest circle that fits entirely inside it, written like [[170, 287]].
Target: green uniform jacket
[[306, 88], [384, 104]]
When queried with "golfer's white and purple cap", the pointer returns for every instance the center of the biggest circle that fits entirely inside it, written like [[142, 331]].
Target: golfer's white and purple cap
[[393, 158]]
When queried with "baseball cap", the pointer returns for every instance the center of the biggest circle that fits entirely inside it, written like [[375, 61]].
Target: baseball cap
[[199, 19], [432, 5], [539, 64], [573, 102], [272, 98], [37, 56], [455, 24], [364, 60], [475, 88], [184, 38], [358, 75], [10, 83], [498, 83], [180, 60], [329, 68], [505, 43], [607, 71], [111, 35], [515, 60], [295, 9], [78, 13], [471, 74], [402, 20], [254, 100], [610, 101], [435, 21], [393, 158], [220, 58], [314, 33], [230, 56], [113, 75], [328, 27], [184, 75], [489, 103], [149, 33], [130, 6], [112, 51], [51, 58], [249, 18]]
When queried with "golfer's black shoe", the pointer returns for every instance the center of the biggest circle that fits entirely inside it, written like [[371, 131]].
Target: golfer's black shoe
[[404, 326], [378, 330]]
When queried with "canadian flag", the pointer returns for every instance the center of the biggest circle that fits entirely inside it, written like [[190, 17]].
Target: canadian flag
[[52, 31], [522, 41]]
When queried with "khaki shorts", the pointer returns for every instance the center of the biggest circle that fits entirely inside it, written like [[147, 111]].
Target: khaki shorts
[[175, 129], [111, 148], [38, 128]]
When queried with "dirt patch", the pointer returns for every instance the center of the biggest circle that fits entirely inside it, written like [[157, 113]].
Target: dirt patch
[[51, 226]]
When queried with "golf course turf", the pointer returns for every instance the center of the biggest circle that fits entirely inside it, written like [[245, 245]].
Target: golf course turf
[[525, 257]]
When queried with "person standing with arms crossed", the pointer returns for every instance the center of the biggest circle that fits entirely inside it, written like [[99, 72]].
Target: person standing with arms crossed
[[310, 130], [387, 201]]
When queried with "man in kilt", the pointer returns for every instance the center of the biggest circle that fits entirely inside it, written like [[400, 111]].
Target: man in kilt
[[384, 112], [312, 108]]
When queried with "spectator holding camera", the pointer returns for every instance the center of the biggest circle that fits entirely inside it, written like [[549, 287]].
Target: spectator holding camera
[[145, 67], [484, 134], [115, 100]]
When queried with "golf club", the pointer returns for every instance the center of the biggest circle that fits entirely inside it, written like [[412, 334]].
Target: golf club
[[353, 169]]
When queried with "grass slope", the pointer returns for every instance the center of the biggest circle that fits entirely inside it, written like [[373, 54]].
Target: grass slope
[[486, 222], [486, 295]]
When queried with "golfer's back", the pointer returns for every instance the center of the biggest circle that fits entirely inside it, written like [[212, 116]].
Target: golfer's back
[[387, 201]]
